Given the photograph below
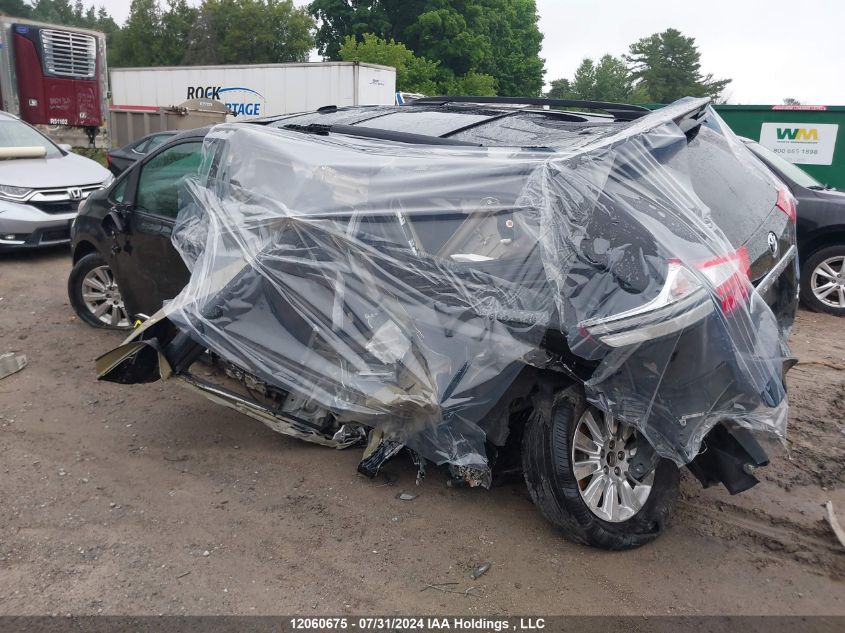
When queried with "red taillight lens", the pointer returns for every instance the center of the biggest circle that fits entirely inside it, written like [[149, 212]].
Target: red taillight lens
[[108, 159], [786, 203], [729, 274]]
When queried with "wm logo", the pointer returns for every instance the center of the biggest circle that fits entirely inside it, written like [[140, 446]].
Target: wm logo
[[797, 134]]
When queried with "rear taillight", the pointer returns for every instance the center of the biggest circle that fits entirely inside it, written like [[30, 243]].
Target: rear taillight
[[786, 203], [683, 301], [729, 274], [108, 159]]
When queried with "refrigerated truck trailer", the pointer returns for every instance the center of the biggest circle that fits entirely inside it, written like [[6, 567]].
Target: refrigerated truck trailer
[[53, 75], [256, 90]]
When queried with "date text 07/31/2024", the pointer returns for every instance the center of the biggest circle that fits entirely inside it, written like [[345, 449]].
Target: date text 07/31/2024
[[418, 623]]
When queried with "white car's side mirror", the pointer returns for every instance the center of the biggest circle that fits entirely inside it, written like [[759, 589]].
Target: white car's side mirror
[[65, 147]]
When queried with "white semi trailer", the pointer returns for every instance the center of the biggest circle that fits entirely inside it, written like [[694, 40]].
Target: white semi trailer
[[255, 90]]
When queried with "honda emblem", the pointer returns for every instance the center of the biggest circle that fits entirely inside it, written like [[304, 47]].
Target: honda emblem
[[75, 193]]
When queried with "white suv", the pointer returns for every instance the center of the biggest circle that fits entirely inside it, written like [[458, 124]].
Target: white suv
[[41, 186]]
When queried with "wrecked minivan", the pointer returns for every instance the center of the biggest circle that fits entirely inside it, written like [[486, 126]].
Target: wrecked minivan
[[607, 296]]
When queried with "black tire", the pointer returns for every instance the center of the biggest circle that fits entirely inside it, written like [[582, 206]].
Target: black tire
[[554, 489], [74, 290], [807, 297]]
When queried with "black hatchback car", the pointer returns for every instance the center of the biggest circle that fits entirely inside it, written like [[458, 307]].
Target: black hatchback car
[[670, 340], [821, 233], [119, 276], [122, 157]]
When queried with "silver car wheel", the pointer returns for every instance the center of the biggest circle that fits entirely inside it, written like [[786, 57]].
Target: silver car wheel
[[601, 450], [828, 281], [102, 297]]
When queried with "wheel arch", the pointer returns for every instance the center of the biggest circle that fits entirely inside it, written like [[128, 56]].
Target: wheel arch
[[830, 237], [82, 249]]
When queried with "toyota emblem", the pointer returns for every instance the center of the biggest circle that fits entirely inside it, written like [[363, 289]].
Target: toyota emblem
[[773, 244]]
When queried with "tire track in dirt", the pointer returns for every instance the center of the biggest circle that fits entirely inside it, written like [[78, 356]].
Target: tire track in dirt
[[813, 546]]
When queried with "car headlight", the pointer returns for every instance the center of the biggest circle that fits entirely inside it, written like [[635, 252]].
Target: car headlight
[[683, 301], [15, 194]]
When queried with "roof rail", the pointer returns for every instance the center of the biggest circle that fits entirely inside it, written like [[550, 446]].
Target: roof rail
[[369, 132], [620, 111]]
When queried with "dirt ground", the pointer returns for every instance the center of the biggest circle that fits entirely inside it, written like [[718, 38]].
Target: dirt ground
[[147, 500]]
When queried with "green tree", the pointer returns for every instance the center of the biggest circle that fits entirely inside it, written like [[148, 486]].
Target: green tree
[[560, 89], [515, 62], [613, 81], [413, 74], [608, 80], [16, 8], [451, 32], [54, 11], [472, 84], [177, 23], [339, 19], [216, 32], [138, 42], [584, 81], [250, 31], [667, 66], [499, 38]]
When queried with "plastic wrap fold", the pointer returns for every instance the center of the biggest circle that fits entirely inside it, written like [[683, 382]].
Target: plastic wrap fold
[[407, 287]]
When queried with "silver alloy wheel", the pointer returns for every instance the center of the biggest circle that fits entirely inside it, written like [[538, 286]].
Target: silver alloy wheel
[[102, 297], [828, 282], [601, 450]]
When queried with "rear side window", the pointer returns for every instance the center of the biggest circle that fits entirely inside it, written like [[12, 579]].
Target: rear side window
[[158, 185], [155, 142], [141, 148]]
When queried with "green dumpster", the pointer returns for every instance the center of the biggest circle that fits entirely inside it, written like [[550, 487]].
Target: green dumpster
[[808, 136], [813, 137]]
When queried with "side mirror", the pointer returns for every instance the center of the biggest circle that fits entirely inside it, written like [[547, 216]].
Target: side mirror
[[65, 147], [115, 220]]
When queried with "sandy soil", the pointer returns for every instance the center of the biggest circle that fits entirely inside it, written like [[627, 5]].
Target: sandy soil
[[149, 500]]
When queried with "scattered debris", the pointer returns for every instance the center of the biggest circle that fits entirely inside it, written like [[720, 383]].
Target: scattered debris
[[834, 523], [482, 569], [444, 588], [183, 574], [468, 477], [379, 450], [11, 363], [206, 553], [406, 496], [419, 462]]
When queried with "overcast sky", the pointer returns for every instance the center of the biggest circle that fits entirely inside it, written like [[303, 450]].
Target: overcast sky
[[772, 49]]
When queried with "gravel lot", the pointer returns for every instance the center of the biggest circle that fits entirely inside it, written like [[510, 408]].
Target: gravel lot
[[147, 500]]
